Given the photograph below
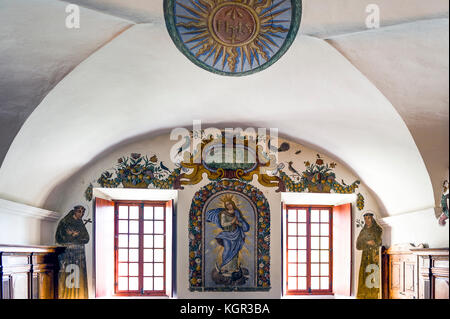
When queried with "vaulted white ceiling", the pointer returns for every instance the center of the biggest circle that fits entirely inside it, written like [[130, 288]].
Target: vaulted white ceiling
[[113, 79]]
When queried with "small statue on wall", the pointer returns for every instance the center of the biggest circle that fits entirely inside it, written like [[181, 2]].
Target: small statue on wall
[[73, 235], [444, 204], [369, 241]]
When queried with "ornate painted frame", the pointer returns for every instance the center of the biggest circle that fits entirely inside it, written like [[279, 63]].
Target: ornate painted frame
[[196, 246]]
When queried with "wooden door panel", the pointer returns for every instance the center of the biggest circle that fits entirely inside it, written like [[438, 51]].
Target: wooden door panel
[[441, 288]]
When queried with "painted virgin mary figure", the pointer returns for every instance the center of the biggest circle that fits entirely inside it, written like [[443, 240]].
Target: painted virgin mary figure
[[73, 235], [232, 238], [369, 241]]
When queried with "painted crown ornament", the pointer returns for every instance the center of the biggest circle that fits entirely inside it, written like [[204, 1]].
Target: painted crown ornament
[[233, 37]]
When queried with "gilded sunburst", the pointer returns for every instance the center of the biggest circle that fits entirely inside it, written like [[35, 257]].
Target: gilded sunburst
[[232, 36]]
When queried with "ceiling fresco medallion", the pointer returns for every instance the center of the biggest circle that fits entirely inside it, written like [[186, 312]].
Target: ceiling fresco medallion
[[233, 37]]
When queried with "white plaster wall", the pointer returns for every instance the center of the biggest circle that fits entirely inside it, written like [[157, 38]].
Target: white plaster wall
[[417, 228], [321, 18], [71, 193], [21, 228], [412, 71], [37, 50], [134, 85]]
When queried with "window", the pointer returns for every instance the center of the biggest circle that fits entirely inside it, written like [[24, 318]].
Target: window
[[140, 248], [309, 250]]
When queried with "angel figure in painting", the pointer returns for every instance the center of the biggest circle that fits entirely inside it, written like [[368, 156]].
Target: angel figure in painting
[[369, 241], [73, 235], [232, 238]]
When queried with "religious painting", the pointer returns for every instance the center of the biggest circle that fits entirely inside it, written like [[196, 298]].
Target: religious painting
[[229, 234], [369, 243], [229, 238], [233, 37], [72, 234]]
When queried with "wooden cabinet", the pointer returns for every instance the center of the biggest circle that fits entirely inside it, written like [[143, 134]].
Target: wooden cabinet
[[433, 273], [402, 274], [28, 272], [415, 273]]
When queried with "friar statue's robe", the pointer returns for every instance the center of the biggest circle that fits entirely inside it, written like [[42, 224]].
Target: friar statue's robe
[[370, 256], [72, 279]]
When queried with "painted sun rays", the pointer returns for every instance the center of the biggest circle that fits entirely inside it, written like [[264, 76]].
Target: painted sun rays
[[233, 36]]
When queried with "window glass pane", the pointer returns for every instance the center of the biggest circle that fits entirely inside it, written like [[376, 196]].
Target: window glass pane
[[325, 229], [301, 242], [159, 255], [148, 212], [123, 226], [123, 212], [292, 269], [315, 215], [148, 255], [159, 227], [148, 227], [302, 256], [148, 283], [134, 269], [292, 283], [159, 241], [159, 269], [133, 283], [302, 283], [148, 241], [123, 254], [123, 269], [315, 270], [123, 241], [292, 229], [123, 283], [134, 241], [314, 242], [159, 284], [301, 229], [324, 269], [324, 216], [315, 256], [292, 215], [301, 270], [134, 212], [324, 255], [315, 230], [148, 269], [324, 242], [159, 212], [324, 283], [134, 227], [134, 255], [292, 242], [301, 216], [315, 283], [292, 256]]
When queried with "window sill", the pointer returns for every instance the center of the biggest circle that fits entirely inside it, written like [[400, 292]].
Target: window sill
[[135, 297]]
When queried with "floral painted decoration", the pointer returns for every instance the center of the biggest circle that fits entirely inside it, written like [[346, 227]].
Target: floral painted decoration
[[88, 193], [318, 177], [137, 171], [195, 231], [360, 201]]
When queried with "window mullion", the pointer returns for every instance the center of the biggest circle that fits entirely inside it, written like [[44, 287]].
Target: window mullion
[[308, 247], [141, 249]]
